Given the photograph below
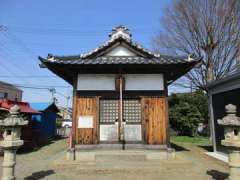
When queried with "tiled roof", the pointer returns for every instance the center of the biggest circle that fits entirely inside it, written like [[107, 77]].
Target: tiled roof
[[120, 35], [24, 106], [119, 60], [112, 41], [99, 60]]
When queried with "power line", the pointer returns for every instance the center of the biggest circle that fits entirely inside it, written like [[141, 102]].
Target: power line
[[11, 52], [10, 55], [77, 30], [30, 77], [39, 86], [20, 43], [74, 32], [3, 28]]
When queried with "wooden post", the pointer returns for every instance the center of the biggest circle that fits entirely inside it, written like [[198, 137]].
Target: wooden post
[[121, 123], [74, 114], [166, 111]]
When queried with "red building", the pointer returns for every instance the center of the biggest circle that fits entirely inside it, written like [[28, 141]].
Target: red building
[[27, 111]]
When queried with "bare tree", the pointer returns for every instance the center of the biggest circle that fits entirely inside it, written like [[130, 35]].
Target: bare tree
[[204, 28]]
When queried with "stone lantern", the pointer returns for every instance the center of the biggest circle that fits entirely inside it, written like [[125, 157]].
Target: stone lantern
[[11, 127], [231, 125]]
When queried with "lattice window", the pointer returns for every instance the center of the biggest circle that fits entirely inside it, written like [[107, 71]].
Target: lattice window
[[108, 111], [132, 111]]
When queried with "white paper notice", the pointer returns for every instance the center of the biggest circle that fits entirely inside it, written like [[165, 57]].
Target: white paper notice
[[85, 122]]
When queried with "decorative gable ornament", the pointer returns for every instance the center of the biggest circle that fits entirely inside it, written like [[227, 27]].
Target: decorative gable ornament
[[120, 31], [122, 35]]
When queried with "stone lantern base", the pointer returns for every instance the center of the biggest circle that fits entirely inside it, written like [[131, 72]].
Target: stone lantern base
[[234, 165], [9, 164]]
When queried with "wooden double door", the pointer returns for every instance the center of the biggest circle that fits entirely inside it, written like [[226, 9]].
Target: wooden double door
[[112, 129], [145, 120]]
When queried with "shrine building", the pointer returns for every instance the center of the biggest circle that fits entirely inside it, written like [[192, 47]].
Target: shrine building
[[120, 92]]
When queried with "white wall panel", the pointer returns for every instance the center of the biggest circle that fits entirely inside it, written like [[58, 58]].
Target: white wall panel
[[133, 132], [96, 82], [120, 51], [109, 132], [144, 82]]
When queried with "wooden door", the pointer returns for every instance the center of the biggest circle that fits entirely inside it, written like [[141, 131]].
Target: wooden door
[[133, 120], [155, 120], [109, 120]]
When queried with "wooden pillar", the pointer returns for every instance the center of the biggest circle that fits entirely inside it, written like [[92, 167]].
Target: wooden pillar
[[167, 112], [74, 113], [121, 125], [211, 124]]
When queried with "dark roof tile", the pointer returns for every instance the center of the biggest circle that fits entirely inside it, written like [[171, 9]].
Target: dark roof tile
[[120, 60]]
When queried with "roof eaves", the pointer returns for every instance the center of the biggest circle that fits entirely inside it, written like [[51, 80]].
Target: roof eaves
[[215, 83], [124, 60]]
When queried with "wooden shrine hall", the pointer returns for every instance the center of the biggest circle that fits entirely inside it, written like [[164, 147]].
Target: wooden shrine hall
[[120, 92]]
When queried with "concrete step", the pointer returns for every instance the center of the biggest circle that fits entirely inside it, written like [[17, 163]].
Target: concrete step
[[120, 157], [120, 147], [128, 162]]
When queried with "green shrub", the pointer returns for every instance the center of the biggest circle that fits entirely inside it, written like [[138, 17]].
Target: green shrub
[[58, 123], [186, 111]]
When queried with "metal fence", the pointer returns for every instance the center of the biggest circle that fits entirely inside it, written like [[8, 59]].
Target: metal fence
[[64, 131]]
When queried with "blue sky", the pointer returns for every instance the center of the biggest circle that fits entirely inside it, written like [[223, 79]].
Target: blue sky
[[36, 28]]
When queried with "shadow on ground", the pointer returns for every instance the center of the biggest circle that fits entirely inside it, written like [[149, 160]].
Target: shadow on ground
[[39, 146], [208, 148], [217, 175], [40, 175], [178, 148]]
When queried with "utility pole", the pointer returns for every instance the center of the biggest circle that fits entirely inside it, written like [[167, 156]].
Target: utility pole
[[68, 98], [53, 91], [191, 87]]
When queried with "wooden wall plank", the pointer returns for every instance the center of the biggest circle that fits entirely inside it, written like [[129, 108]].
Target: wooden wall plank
[[87, 106], [155, 120]]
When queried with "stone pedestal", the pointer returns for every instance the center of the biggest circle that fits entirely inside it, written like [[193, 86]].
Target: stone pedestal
[[234, 165], [8, 165]]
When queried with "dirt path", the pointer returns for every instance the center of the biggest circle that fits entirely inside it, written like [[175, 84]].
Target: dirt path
[[191, 164], [36, 165]]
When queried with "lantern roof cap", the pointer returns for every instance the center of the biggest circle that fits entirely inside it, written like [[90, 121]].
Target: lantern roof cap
[[231, 119], [14, 119]]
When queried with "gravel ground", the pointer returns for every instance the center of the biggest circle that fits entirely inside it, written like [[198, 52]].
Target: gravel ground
[[191, 164]]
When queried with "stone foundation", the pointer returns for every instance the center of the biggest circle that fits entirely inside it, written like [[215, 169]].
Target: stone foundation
[[110, 152]]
